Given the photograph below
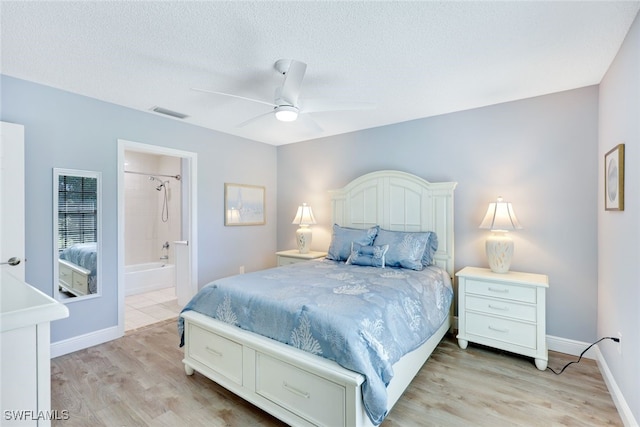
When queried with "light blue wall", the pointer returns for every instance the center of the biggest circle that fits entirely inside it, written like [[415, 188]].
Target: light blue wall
[[619, 232], [66, 130], [540, 153]]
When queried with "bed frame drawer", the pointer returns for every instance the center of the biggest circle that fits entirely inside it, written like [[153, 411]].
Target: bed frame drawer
[[65, 274], [72, 278], [80, 283], [300, 391], [218, 353]]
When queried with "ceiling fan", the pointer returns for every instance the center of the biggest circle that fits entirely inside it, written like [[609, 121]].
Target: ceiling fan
[[286, 106]]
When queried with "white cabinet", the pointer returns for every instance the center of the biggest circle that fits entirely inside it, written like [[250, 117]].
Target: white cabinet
[[19, 376], [293, 256], [503, 310], [25, 370]]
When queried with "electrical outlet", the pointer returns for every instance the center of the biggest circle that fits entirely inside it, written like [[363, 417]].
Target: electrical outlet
[[620, 343], [242, 269]]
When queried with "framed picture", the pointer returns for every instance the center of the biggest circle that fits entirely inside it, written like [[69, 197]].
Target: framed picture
[[243, 204], [614, 179]]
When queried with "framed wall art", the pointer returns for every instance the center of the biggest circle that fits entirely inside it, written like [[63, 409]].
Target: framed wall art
[[614, 179], [244, 204]]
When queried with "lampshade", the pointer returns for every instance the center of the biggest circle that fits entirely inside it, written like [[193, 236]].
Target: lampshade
[[304, 218], [500, 218], [286, 113]]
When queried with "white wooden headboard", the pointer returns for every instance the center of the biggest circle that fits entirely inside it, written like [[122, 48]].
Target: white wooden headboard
[[399, 201]]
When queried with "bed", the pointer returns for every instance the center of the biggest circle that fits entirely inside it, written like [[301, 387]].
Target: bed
[[298, 377], [77, 267]]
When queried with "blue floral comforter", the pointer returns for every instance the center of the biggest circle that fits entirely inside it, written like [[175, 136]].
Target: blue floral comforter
[[363, 318]]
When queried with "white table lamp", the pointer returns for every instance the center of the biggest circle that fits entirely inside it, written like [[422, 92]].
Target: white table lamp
[[500, 218], [304, 218]]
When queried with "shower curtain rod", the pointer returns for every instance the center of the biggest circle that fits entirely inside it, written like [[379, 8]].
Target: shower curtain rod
[[155, 174]]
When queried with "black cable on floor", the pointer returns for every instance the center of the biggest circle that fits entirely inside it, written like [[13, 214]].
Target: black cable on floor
[[582, 354]]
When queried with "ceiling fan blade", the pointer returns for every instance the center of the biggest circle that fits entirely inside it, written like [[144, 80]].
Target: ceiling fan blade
[[292, 82], [321, 105], [308, 121], [253, 119], [271, 104]]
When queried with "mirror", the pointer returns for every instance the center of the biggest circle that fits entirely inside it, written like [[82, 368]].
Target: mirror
[[76, 234]]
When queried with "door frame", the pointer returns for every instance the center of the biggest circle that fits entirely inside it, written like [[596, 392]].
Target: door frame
[[189, 214]]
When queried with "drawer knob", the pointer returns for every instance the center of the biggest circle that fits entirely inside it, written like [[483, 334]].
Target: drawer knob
[[500, 290], [503, 330], [498, 308], [295, 390]]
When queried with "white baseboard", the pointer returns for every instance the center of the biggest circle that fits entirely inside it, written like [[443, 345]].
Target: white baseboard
[[618, 399], [572, 347], [60, 348]]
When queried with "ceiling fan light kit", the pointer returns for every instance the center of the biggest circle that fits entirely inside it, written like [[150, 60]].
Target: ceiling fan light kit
[[286, 113]]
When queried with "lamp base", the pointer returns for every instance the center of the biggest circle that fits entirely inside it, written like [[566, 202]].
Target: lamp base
[[303, 239], [499, 248]]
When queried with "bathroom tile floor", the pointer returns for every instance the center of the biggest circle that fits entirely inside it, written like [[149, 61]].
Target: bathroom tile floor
[[151, 307]]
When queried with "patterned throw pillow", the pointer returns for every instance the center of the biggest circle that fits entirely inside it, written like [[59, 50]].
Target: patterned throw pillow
[[340, 247], [406, 249], [369, 256]]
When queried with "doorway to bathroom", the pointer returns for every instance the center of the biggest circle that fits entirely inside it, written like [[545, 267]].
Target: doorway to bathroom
[[156, 233]]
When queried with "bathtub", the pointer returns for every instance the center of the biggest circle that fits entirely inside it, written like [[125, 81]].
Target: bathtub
[[150, 276]]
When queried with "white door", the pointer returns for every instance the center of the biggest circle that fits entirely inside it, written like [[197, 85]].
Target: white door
[[12, 197]]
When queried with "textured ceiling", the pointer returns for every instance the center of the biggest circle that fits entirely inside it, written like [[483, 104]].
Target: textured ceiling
[[412, 59]]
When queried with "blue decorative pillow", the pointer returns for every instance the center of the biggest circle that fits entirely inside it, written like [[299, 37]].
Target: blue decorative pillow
[[369, 256], [406, 249], [430, 250], [340, 247]]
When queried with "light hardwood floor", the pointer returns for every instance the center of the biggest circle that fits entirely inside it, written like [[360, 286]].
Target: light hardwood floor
[[139, 380]]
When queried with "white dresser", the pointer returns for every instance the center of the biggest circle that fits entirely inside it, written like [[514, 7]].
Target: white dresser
[[292, 256], [505, 311]]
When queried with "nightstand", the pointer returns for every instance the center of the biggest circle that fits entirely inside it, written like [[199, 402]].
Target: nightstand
[[505, 311], [294, 255]]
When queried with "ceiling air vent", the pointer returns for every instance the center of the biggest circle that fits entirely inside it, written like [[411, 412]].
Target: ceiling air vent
[[168, 112]]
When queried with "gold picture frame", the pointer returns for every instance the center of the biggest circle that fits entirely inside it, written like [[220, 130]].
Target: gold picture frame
[[614, 179], [244, 204]]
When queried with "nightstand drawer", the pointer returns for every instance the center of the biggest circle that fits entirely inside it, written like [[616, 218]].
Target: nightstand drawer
[[283, 260], [294, 256], [498, 290], [508, 331], [501, 308]]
